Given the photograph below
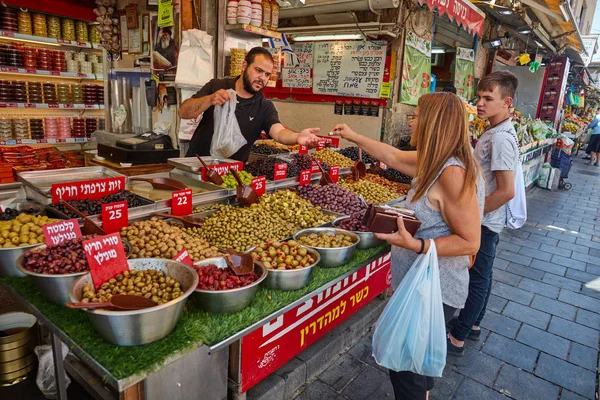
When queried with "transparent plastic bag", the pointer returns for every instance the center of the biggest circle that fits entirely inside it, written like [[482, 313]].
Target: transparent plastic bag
[[46, 379], [410, 334], [228, 138]]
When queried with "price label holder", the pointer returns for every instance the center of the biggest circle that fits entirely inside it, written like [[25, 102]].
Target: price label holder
[[280, 172], [382, 165], [259, 185], [321, 145], [181, 202], [106, 257], [334, 173], [184, 257], [304, 178], [303, 149], [314, 167], [114, 216], [62, 231]]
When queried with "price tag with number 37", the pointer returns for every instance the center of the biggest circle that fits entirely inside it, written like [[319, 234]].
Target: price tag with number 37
[[181, 202]]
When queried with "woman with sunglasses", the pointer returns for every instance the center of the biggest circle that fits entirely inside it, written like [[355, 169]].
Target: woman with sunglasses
[[447, 197]]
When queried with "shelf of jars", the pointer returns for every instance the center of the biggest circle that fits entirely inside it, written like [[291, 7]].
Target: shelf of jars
[[48, 40], [253, 29], [20, 142], [43, 106]]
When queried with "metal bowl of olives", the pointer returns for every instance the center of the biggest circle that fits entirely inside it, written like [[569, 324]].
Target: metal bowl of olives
[[229, 300], [134, 328], [367, 239], [55, 287], [330, 256]]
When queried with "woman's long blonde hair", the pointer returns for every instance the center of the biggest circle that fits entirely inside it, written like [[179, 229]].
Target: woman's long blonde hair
[[442, 133]]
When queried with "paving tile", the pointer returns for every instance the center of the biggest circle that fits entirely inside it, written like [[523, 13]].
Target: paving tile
[[561, 236], [593, 269], [585, 302], [562, 282], [371, 383], [522, 270], [580, 276], [539, 288], [566, 395], [567, 375], [446, 385], [512, 352], [319, 390], [525, 243], [553, 249], [588, 243], [505, 245], [574, 331], [506, 277], [595, 252], [544, 341], [590, 292], [500, 324], [528, 315], [520, 385], [534, 230], [477, 366], [518, 233], [363, 350], [543, 239], [536, 254], [478, 344], [568, 262], [512, 257], [342, 372], [588, 318], [500, 263], [590, 259], [469, 389], [496, 303], [583, 356], [575, 248], [554, 307], [549, 267], [512, 293]]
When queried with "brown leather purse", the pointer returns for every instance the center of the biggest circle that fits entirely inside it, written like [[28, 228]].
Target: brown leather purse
[[384, 220]]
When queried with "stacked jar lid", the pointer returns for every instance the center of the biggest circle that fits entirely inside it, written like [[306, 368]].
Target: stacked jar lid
[[29, 57], [50, 128], [6, 92], [50, 95], [78, 127], [77, 93], [64, 93], [25, 24], [58, 61], [91, 125], [6, 130], [64, 127], [93, 94], [36, 128], [93, 34], [45, 59], [81, 31], [11, 55], [20, 128], [68, 29], [9, 19], [19, 89], [34, 92], [40, 26], [53, 26]]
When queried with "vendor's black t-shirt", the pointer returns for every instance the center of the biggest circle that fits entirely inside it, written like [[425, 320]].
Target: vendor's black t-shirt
[[254, 115]]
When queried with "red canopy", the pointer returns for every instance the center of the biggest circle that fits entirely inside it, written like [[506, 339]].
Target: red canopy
[[465, 13]]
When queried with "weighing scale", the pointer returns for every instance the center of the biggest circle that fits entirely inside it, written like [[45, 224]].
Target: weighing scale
[[147, 148]]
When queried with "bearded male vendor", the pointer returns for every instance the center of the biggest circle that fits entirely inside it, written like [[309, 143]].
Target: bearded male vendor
[[253, 111]]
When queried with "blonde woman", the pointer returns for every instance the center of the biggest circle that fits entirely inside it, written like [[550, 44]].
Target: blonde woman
[[447, 197]]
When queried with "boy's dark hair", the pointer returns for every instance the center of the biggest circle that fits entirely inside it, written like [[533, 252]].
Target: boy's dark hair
[[255, 51], [450, 89], [506, 81]]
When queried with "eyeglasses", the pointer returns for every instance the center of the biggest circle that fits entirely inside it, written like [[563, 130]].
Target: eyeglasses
[[411, 117]]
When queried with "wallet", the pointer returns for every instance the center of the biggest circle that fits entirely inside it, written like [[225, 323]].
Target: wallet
[[384, 220]]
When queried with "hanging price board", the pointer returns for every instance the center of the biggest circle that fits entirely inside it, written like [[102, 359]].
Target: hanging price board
[[114, 216], [303, 149], [304, 178], [259, 185], [334, 173], [184, 257], [332, 141], [280, 172], [106, 257], [62, 231], [181, 202]]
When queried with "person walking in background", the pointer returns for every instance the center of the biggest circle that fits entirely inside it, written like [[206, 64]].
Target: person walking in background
[[447, 197], [498, 154], [593, 148]]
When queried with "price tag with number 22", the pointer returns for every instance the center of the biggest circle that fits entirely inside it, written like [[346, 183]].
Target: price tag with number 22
[[181, 202]]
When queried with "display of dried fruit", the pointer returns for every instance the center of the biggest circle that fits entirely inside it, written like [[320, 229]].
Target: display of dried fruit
[[214, 278]]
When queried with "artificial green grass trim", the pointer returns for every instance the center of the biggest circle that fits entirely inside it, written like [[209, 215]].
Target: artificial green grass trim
[[194, 328]]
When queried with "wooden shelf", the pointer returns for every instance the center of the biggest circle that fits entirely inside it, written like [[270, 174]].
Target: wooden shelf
[[254, 30]]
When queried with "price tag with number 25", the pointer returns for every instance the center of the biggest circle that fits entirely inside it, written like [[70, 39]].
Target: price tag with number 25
[[181, 202], [114, 216]]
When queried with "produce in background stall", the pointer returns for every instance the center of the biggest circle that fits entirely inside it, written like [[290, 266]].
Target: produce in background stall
[[372, 192], [332, 197], [94, 207], [276, 216], [151, 284], [304, 162], [396, 176], [156, 238], [267, 150], [352, 153], [332, 157], [12, 213], [354, 223], [326, 240], [266, 167], [214, 278], [229, 181], [399, 188], [25, 230], [283, 255]]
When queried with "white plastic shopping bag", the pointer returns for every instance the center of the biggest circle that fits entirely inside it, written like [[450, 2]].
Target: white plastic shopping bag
[[227, 138], [46, 379], [410, 334], [195, 62], [516, 208]]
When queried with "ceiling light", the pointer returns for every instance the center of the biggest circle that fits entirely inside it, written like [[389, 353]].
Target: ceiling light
[[438, 51], [538, 43], [564, 9], [524, 30], [312, 38], [505, 12], [492, 43]]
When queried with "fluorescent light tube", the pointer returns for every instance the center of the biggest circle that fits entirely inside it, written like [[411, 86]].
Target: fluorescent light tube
[[311, 38], [438, 51]]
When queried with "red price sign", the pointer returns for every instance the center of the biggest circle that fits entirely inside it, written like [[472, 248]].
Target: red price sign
[[333, 141], [222, 169], [314, 167], [259, 185], [181, 202], [56, 73], [321, 145], [106, 257], [92, 190], [53, 106], [382, 165], [29, 105], [334, 173], [303, 149], [62, 231], [184, 257], [69, 106], [304, 177], [280, 172], [114, 216]]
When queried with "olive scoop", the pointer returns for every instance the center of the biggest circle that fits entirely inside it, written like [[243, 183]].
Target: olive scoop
[[325, 178], [211, 174], [245, 195], [360, 169], [162, 183], [241, 264], [120, 301], [189, 221]]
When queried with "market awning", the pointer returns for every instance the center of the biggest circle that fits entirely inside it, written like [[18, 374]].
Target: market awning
[[463, 12]]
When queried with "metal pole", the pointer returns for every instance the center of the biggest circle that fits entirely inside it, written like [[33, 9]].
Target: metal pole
[[59, 368]]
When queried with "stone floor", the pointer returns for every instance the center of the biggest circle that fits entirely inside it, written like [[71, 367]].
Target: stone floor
[[541, 331]]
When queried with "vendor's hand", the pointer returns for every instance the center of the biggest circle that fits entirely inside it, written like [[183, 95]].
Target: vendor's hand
[[401, 238], [307, 137], [343, 131], [219, 97]]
